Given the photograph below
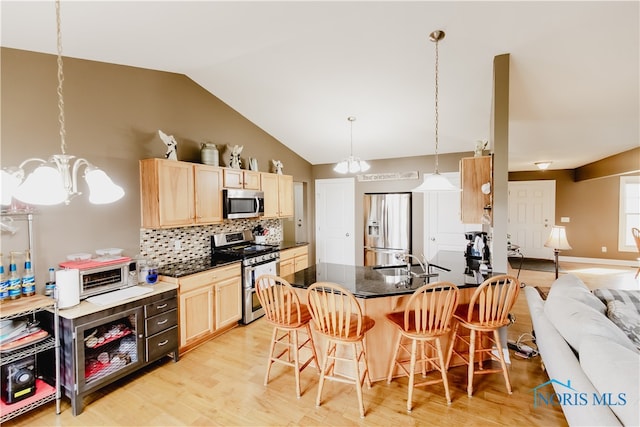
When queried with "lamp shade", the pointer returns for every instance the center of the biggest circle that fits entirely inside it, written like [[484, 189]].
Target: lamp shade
[[101, 189], [435, 183], [44, 186], [558, 239]]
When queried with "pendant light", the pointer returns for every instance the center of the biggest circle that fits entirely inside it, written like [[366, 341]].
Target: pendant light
[[351, 164], [435, 182], [56, 180]]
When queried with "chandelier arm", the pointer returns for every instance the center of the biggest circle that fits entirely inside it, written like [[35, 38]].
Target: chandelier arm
[[76, 167], [32, 159]]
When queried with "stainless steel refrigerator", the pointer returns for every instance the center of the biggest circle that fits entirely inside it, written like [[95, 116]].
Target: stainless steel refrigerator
[[387, 222]]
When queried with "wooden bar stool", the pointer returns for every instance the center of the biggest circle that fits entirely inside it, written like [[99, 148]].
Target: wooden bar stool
[[338, 317], [283, 310], [424, 321], [487, 311]]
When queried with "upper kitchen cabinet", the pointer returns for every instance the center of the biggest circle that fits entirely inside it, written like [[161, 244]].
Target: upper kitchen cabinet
[[278, 195], [175, 194], [238, 178], [208, 186], [474, 172]]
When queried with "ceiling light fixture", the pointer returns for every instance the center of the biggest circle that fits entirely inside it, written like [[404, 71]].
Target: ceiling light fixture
[[56, 180], [352, 164], [435, 182], [542, 165]]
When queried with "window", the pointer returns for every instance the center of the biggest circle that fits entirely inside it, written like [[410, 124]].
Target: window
[[629, 212]]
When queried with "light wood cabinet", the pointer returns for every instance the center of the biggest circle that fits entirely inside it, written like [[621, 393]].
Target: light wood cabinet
[[238, 178], [474, 172], [228, 302], [166, 192], [210, 303], [208, 194], [294, 259], [278, 195], [175, 194]]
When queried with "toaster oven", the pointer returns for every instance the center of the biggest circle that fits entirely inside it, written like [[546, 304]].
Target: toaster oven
[[98, 280]]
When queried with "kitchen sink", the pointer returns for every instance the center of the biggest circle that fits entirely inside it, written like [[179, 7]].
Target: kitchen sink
[[396, 274]]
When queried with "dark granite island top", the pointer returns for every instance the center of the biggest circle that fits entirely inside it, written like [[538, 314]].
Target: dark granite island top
[[371, 282]]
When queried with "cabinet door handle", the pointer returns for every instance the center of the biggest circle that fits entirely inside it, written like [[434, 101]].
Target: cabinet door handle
[[162, 322], [160, 307], [165, 342]]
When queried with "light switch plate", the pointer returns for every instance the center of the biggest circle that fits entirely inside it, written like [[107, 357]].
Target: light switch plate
[[565, 219]]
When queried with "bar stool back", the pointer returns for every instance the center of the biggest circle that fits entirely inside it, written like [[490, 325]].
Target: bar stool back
[[288, 317], [338, 317], [424, 321]]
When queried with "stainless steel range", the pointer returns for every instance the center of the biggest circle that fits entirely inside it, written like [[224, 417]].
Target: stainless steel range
[[256, 260]]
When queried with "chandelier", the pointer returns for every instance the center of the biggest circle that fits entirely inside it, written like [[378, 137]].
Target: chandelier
[[352, 164], [435, 182], [56, 180]]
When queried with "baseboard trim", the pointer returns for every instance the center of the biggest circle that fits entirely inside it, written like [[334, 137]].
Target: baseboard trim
[[621, 262]]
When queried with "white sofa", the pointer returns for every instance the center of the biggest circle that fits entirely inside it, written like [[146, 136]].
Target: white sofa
[[593, 366]]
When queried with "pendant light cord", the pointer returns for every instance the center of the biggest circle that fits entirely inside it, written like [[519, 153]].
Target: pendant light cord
[[351, 120], [436, 104], [63, 133]]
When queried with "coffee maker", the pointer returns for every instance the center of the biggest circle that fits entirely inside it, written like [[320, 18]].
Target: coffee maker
[[477, 253]]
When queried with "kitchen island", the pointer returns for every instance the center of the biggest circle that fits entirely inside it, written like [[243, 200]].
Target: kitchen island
[[383, 290]]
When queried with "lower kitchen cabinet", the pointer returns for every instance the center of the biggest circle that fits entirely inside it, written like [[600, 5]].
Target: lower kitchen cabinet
[[102, 344], [210, 303], [294, 259]]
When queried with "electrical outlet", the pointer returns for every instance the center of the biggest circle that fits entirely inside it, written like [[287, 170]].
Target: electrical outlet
[[177, 245], [604, 249]]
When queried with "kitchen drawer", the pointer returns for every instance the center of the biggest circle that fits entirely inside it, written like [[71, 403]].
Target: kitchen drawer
[[160, 306], [198, 280], [160, 322], [160, 344]]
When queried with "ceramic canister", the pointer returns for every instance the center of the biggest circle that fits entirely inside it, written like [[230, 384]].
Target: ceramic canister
[[209, 154]]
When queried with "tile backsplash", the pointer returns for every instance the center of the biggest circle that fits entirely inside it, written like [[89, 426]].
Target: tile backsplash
[[159, 244]]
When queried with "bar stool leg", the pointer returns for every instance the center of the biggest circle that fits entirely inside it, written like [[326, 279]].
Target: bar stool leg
[[472, 351], [359, 380], [505, 373], [274, 337], [392, 365], [443, 371], [412, 370]]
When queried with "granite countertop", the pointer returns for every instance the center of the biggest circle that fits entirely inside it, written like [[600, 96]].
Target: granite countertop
[[192, 266], [289, 245], [369, 282]]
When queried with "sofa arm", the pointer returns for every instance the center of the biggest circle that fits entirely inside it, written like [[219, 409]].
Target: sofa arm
[[562, 365]]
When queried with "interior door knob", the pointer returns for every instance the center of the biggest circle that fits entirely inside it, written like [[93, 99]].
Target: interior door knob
[[347, 235]]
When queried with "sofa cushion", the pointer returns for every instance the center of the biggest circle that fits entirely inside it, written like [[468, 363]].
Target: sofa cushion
[[611, 368], [575, 320], [570, 286], [626, 317]]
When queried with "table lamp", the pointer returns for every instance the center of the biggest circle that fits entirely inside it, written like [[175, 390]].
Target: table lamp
[[557, 240]]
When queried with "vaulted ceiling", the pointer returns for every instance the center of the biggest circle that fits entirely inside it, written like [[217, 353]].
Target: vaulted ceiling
[[298, 69]]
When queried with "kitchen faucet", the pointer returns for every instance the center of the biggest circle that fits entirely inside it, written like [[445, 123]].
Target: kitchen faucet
[[407, 258]]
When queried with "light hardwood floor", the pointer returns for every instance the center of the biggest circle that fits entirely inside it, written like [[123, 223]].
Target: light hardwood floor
[[221, 383]]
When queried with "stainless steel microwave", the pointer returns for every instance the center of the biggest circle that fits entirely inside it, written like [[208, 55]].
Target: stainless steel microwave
[[242, 203]]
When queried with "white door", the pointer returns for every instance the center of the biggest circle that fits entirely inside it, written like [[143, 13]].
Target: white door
[[335, 221], [532, 207], [299, 213], [444, 231]]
